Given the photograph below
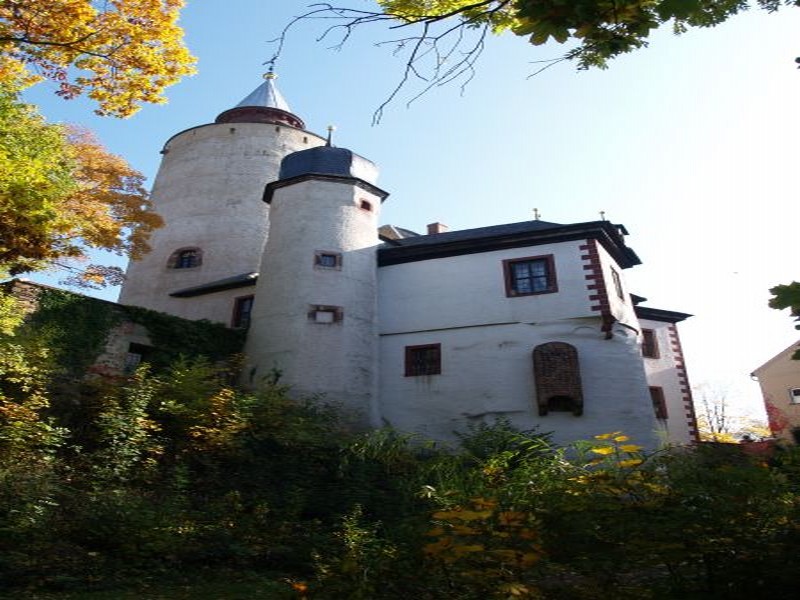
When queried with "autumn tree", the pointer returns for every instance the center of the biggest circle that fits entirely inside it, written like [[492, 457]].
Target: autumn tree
[[120, 53], [442, 39], [787, 296], [62, 195], [717, 420]]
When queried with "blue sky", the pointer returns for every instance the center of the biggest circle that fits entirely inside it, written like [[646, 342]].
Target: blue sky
[[690, 143]]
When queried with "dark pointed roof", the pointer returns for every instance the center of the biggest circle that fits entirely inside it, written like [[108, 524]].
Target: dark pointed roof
[[265, 104]]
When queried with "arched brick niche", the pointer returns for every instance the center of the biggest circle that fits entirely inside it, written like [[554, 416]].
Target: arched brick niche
[[557, 374]]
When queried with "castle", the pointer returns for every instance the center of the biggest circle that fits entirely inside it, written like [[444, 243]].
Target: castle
[[268, 227]]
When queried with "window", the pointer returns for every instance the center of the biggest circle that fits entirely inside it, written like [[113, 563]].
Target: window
[[328, 260], [242, 308], [557, 373], [423, 360], [185, 258], [659, 402], [649, 343], [136, 354], [532, 275], [617, 284], [325, 314], [365, 205], [794, 395]]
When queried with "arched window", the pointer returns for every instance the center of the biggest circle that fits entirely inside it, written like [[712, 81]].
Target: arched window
[[185, 258], [558, 378]]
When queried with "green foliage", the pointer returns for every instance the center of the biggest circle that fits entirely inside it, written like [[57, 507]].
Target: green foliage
[[10, 314], [787, 296], [600, 30], [72, 326], [62, 193], [175, 470], [173, 337], [36, 174]]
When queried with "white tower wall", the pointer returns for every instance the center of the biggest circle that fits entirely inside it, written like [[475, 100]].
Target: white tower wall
[[209, 192], [316, 325]]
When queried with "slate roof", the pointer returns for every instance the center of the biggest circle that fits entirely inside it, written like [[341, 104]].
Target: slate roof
[[266, 95], [328, 160], [229, 283], [659, 314], [512, 235]]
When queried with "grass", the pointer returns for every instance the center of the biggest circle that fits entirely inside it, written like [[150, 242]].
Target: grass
[[228, 586]]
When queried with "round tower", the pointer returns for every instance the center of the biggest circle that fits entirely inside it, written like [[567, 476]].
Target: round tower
[[208, 191], [314, 322]]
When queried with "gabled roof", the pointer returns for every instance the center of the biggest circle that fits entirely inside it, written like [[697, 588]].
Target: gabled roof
[[512, 235], [785, 354]]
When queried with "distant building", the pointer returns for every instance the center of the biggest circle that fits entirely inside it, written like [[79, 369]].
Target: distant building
[[779, 379], [272, 229]]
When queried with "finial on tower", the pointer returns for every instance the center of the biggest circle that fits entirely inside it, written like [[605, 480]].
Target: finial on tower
[[536, 214], [602, 215], [265, 104], [331, 129]]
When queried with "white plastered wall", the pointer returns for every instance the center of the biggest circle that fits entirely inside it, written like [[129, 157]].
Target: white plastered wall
[[662, 372], [209, 192], [335, 360], [487, 341]]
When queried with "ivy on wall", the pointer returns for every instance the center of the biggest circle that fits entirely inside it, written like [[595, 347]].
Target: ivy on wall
[[75, 329], [173, 337]]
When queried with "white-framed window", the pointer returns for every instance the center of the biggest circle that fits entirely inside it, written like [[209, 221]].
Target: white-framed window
[[327, 260], [324, 314], [794, 395]]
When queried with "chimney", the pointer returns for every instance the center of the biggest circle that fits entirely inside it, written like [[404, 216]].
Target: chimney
[[437, 228]]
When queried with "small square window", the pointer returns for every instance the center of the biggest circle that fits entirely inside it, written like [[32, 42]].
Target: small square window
[[650, 344], [423, 360], [325, 315], [794, 395], [365, 205], [328, 260], [532, 275]]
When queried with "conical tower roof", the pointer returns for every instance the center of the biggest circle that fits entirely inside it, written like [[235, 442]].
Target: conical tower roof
[[265, 104]]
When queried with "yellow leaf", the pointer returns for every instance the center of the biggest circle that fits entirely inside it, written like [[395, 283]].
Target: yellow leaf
[[468, 549], [464, 530], [621, 438], [603, 450], [630, 448]]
